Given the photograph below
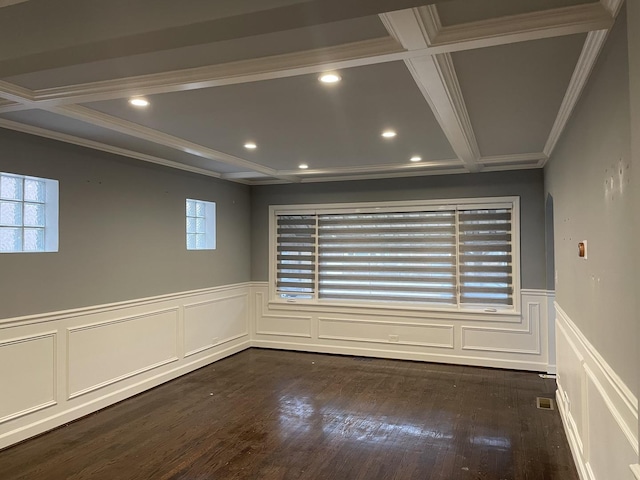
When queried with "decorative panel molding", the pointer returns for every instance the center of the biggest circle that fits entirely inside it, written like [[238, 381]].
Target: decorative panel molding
[[28, 373], [509, 340], [492, 339], [389, 332], [280, 325], [210, 323], [599, 412], [111, 352], [104, 353]]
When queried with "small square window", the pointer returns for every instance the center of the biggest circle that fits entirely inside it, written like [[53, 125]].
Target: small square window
[[28, 214], [201, 225]]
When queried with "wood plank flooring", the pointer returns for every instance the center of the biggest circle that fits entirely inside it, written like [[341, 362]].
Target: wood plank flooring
[[275, 415]]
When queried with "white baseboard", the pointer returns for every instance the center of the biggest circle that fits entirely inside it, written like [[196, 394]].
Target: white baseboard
[[599, 412], [64, 365]]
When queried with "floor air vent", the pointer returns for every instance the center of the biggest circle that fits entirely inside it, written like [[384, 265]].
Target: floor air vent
[[544, 403]]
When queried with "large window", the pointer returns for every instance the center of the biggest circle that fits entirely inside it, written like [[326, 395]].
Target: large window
[[28, 214], [201, 225], [453, 254]]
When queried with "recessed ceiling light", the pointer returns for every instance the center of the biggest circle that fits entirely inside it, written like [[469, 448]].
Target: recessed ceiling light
[[303, 166], [416, 158], [330, 78], [250, 146], [139, 102], [389, 134]]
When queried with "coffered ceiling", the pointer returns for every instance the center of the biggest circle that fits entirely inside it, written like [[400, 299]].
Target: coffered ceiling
[[466, 85]]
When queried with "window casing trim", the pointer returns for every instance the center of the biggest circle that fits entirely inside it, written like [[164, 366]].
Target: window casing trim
[[512, 202]]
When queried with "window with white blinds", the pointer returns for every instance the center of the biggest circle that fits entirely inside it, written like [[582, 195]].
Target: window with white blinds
[[445, 255]]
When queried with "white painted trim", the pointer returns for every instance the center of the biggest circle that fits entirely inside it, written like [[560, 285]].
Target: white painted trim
[[588, 57], [608, 419], [621, 388], [515, 158], [528, 330], [108, 307], [388, 322], [27, 338], [346, 336], [401, 355], [26, 422], [103, 147], [519, 28]]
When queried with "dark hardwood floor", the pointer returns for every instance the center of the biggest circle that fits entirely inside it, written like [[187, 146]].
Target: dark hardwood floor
[[266, 414]]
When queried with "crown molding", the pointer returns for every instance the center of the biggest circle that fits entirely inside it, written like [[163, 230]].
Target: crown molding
[[369, 176], [587, 60], [519, 28], [103, 120], [16, 93], [513, 159], [387, 168], [83, 142]]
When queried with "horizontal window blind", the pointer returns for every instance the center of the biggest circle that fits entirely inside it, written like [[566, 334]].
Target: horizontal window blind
[[296, 256], [388, 257], [457, 256], [484, 244]]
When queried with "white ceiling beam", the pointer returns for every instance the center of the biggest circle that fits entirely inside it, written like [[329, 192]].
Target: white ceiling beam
[[549, 23], [423, 165], [437, 80], [519, 28], [367, 52], [115, 124]]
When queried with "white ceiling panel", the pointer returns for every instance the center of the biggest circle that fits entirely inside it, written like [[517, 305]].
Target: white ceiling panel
[[68, 126], [513, 92], [298, 119]]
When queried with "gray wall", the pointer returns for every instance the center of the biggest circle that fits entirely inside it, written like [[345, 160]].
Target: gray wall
[[528, 184], [633, 22], [588, 177], [122, 230]]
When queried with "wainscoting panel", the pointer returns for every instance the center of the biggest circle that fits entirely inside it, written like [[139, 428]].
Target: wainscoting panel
[[214, 322], [30, 388], [376, 331], [60, 366], [599, 412], [518, 341], [104, 353]]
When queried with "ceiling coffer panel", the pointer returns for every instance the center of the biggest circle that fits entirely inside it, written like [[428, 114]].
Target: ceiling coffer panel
[[513, 92], [300, 120]]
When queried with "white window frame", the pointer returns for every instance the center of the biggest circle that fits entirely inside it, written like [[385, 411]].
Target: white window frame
[[210, 225], [512, 202], [51, 213]]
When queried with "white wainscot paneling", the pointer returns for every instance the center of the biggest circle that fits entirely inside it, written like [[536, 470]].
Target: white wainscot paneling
[[524, 339], [28, 373], [492, 339], [599, 412], [103, 353], [213, 322], [377, 331], [282, 325]]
